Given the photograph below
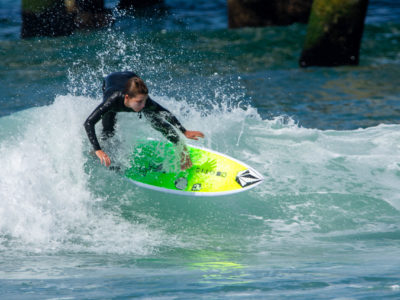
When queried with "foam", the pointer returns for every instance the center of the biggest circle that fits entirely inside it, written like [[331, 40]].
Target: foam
[[56, 196], [47, 204]]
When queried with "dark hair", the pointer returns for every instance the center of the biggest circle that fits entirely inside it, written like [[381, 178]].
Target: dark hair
[[135, 86]]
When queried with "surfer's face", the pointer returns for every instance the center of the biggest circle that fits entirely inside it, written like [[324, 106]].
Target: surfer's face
[[136, 103]]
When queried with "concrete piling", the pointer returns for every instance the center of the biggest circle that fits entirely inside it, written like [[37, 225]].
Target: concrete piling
[[46, 18], [334, 33], [61, 17]]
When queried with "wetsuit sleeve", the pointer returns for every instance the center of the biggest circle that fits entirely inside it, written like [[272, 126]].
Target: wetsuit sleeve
[[163, 120], [94, 117]]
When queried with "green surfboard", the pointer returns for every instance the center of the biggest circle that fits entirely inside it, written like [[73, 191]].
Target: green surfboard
[[156, 165]]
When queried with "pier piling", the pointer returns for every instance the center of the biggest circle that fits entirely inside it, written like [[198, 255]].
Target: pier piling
[[46, 18], [334, 33], [61, 17]]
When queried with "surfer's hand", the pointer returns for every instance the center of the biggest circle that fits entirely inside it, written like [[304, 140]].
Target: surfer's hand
[[193, 134], [186, 162], [104, 159]]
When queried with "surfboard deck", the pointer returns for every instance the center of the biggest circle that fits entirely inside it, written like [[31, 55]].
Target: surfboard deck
[[156, 165]]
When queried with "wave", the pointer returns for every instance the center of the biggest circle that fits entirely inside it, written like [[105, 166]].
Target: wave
[[55, 196]]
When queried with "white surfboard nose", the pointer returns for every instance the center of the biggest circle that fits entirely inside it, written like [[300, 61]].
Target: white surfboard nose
[[247, 177]]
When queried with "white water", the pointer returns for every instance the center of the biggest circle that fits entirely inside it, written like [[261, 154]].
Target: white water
[[46, 204], [55, 196]]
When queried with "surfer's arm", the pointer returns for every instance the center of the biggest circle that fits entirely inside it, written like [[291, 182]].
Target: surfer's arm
[[161, 125], [166, 115], [93, 118], [166, 120], [163, 121], [89, 125]]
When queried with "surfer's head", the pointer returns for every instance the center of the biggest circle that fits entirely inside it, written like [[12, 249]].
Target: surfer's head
[[136, 94]]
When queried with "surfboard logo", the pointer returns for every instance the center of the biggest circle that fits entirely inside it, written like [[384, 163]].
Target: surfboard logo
[[211, 172], [196, 187], [247, 178]]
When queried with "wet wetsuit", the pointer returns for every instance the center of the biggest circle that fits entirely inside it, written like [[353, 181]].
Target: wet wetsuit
[[113, 101]]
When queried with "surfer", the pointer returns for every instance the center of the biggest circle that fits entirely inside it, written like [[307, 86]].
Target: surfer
[[127, 92]]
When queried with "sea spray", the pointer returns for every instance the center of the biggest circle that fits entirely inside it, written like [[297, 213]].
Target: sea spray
[[46, 203]]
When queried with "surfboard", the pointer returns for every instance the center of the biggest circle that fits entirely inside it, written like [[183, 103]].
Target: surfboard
[[156, 165]]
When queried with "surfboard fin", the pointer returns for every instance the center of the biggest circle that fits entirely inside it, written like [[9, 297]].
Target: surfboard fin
[[247, 177]]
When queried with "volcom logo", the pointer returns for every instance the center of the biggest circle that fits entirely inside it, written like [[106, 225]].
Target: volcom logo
[[247, 177]]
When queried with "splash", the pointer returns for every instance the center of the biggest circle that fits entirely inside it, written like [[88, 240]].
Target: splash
[[47, 204], [57, 197]]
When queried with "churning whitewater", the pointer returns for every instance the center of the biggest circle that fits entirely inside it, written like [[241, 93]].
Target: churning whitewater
[[57, 197]]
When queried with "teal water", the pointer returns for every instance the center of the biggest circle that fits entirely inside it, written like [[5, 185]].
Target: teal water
[[324, 225]]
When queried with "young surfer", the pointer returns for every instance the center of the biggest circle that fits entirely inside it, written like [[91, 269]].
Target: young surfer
[[126, 92]]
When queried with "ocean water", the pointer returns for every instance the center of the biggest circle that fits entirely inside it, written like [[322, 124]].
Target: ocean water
[[325, 224]]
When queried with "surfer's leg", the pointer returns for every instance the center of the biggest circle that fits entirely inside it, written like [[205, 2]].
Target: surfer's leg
[[108, 120]]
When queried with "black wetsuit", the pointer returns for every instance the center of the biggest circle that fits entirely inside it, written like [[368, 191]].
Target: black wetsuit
[[113, 101]]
